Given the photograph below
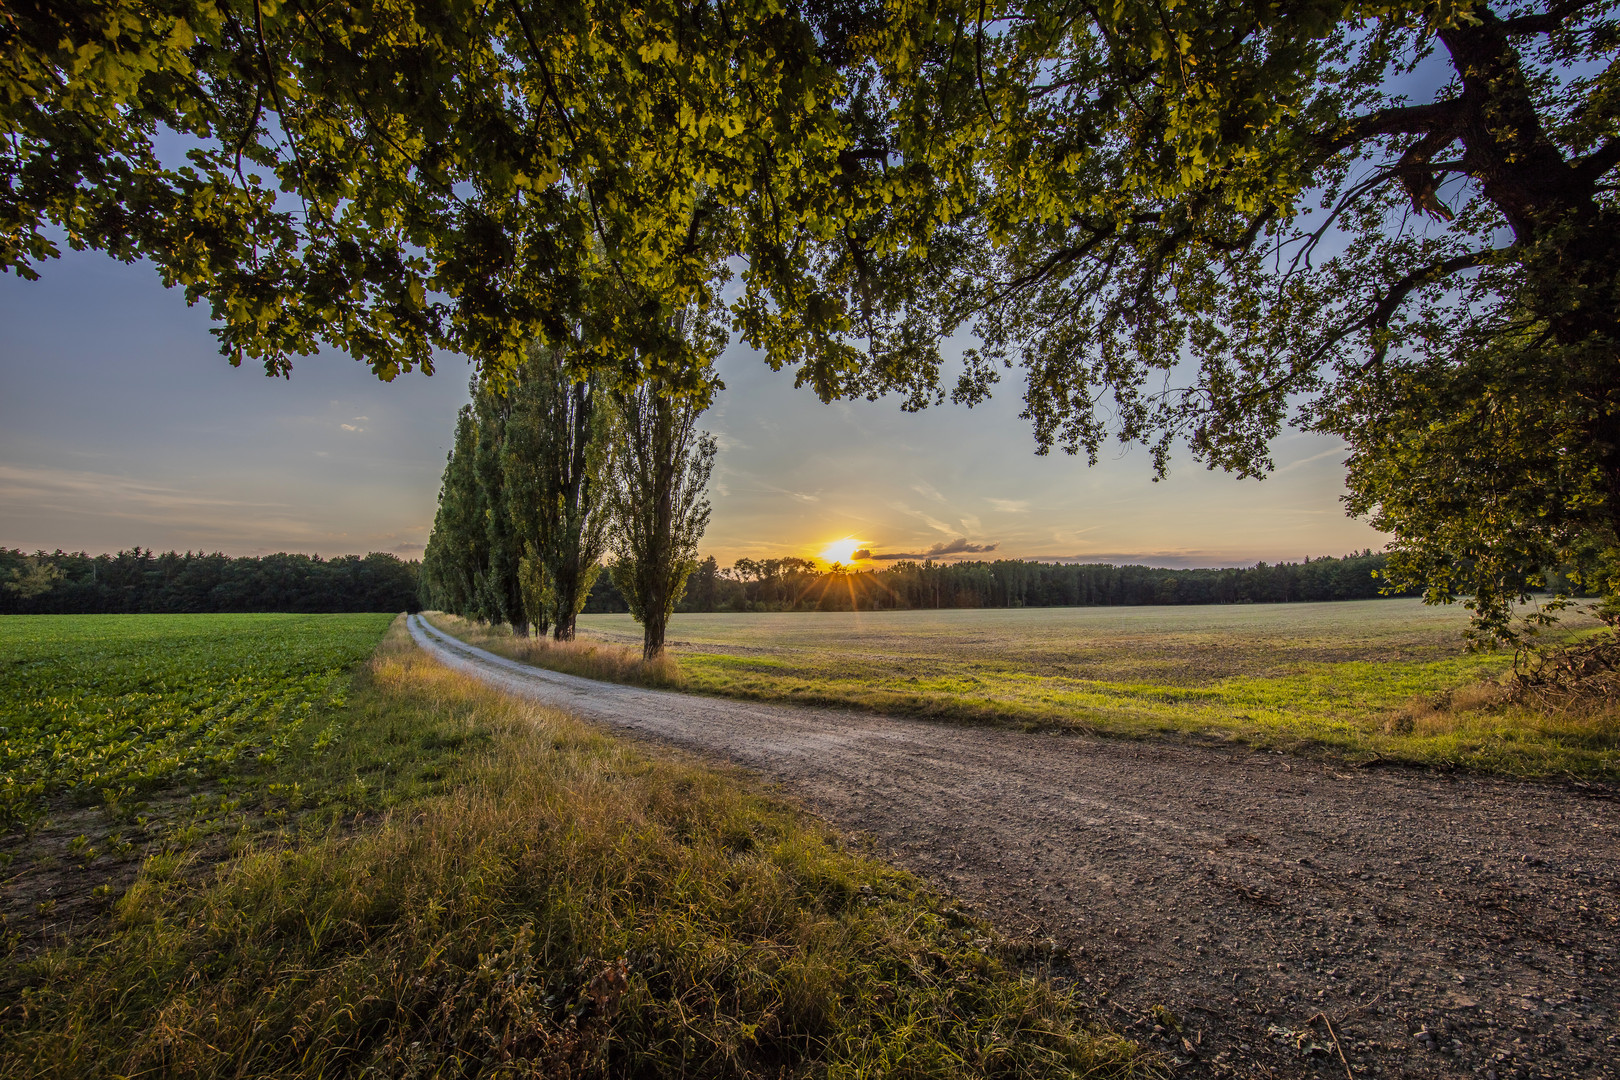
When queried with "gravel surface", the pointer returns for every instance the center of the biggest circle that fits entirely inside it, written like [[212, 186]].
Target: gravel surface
[[1248, 913]]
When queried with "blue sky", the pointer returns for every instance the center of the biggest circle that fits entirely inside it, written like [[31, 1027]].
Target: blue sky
[[120, 424]]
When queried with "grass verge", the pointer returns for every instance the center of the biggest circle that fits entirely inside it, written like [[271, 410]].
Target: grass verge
[[1403, 697], [468, 885], [586, 657]]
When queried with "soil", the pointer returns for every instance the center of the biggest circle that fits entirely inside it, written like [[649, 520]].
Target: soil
[[60, 876], [1248, 913]]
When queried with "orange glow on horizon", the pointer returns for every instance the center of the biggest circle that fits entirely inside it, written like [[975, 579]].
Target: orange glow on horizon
[[841, 551]]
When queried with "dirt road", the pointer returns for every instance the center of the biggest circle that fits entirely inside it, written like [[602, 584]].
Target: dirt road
[[1445, 926]]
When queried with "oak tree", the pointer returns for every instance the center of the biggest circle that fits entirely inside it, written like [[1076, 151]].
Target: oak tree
[[1201, 221]]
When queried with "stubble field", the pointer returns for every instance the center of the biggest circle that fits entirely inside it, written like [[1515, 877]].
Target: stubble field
[[1365, 680]]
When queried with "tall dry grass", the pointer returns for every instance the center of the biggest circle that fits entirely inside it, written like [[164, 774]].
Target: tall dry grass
[[565, 906], [607, 661], [1488, 724]]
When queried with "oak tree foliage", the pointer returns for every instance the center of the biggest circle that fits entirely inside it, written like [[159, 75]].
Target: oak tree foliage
[[388, 177], [1200, 221]]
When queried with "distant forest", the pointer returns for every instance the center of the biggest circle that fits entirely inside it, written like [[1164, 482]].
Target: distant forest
[[795, 585], [141, 581]]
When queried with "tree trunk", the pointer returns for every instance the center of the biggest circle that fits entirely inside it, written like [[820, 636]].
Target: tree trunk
[[565, 590], [652, 638]]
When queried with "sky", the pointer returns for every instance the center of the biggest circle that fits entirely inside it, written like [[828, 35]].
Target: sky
[[121, 425]]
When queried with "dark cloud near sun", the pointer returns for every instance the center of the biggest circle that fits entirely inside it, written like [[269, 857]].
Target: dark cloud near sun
[[959, 546]]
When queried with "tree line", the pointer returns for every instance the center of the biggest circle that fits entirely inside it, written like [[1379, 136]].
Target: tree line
[[139, 581], [559, 471], [794, 584]]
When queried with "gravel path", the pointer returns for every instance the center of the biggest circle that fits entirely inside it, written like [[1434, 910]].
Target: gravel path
[[1445, 926]]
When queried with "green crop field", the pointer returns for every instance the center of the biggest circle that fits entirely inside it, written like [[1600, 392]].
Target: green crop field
[[1361, 680], [100, 707]]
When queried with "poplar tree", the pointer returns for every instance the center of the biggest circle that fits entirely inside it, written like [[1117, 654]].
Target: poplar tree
[[660, 471], [500, 592], [457, 549], [553, 462]]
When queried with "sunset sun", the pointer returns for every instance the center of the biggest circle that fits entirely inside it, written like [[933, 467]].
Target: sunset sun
[[841, 551]]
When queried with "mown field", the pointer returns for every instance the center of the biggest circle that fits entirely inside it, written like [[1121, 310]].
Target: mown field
[[1363, 680], [340, 866]]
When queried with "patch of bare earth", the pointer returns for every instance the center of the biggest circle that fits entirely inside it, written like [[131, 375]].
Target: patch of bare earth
[[60, 876], [1251, 914]]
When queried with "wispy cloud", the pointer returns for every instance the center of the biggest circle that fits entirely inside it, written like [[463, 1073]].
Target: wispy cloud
[[927, 519], [1183, 559], [207, 518], [1335, 451], [750, 484], [1010, 506], [927, 491], [69, 489], [959, 546]]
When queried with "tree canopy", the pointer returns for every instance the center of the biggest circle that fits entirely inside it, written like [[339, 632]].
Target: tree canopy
[[387, 177]]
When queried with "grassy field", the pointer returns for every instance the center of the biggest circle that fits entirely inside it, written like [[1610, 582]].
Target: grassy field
[[1362, 680], [426, 878]]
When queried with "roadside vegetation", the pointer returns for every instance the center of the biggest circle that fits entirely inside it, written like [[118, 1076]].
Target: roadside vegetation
[[590, 656], [429, 878], [1364, 682]]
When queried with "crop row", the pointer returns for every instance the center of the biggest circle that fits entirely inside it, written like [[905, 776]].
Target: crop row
[[98, 708]]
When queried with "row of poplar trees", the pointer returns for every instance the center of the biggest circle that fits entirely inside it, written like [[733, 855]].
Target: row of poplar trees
[[558, 472]]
